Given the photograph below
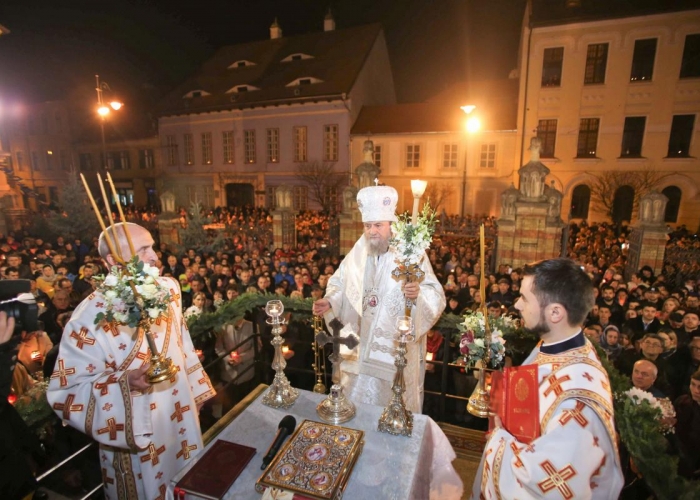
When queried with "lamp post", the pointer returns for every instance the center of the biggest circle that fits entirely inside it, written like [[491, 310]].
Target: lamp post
[[472, 125], [103, 110]]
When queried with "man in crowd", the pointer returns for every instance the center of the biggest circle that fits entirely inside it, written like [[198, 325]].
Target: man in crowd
[[146, 433], [367, 300], [556, 296], [646, 323], [688, 429], [643, 377], [690, 328]]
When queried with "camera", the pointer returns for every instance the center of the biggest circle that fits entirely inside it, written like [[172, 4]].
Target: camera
[[17, 301]]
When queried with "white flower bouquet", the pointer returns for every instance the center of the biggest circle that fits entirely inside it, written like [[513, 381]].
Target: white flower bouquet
[[472, 338], [666, 414], [133, 295], [411, 241]]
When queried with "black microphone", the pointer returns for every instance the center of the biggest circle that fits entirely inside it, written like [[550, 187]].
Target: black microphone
[[285, 428]]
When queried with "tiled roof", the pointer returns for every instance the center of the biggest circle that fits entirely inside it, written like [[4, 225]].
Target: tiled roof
[[496, 107], [554, 12], [336, 60]]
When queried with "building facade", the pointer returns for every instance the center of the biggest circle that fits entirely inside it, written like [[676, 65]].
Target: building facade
[[614, 96], [257, 113]]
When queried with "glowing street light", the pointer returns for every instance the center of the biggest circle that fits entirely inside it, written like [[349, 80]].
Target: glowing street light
[[472, 125], [103, 110]]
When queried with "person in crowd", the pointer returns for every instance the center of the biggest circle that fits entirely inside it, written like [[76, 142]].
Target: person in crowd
[[691, 326], [199, 301], [610, 342], [644, 375], [556, 295], [237, 365], [104, 371], [687, 429], [646, 323], [363, 293]]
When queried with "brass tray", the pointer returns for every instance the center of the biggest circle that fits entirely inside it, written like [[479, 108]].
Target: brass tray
[[316, 462]]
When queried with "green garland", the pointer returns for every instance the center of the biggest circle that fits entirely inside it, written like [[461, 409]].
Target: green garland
[[33, 406]]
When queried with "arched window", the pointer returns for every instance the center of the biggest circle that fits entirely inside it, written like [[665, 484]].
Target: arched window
[[673, 193], [623, 203], [580, 200]]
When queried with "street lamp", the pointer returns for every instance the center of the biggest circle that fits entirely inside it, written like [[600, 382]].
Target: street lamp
[[472, 125], [104, 109]]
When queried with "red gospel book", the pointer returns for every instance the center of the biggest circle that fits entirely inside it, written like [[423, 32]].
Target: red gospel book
[[214, 473], [515, 399]]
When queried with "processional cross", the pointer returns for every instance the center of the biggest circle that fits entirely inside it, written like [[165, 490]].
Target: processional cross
[[351, 341]]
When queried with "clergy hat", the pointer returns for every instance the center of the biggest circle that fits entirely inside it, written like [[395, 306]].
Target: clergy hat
[[377, 203]]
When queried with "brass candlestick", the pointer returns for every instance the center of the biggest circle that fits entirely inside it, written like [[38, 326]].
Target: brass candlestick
[[319, 359], [396, 418], [161, 368], [280, 394]]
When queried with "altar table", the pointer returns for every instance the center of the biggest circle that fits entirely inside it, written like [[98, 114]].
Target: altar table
[[389, 468]]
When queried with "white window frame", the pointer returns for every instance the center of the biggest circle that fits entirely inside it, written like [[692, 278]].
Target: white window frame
[[300, 144], [189, 149], [249, 146], [206, 148], [450, 152], [273, 145], [413, 155], [487, 155], [330, 142]]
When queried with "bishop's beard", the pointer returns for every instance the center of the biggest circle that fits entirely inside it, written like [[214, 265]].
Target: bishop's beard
[[377, 247]]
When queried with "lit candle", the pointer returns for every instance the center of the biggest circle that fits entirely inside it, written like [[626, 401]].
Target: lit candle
[[35, 355], [285, 349], [428, 356], [198, 352], [234, 356], [482, 247]]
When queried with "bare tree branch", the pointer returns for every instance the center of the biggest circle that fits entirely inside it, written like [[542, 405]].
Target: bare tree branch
[[437, 193], [605, 185], [323, 181]]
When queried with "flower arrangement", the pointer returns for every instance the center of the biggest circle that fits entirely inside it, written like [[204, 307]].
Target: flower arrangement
[[663, 408], [472, 338], [411, 241], [133, 295]]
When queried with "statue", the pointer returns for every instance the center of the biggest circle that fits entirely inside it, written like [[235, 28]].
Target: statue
[[368, 152], [554, 198], [535, 149], [508, 199]]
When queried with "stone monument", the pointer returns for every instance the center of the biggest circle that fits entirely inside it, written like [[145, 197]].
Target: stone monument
[[648, 237], [168, 221], [530, 225], [283, 217]]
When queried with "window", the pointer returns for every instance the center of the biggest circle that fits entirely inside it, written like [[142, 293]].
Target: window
[[86, 161], [632, 137], [35, 161], [587, 137], [49, 160], [20, 160], [242, 88], [547, 133], [301, 198], [412, 155], [300, 144], [58, 121], [681, 133], [673, 193], [596, 60], [118, 160], [44, 123], [249, 145], [643, 60], [378, 155], [53, 195], [690, 66], [146, 158], [228, 138], [270, 200], [63, 158], [273, 145], [580, 201], [449, 156], [551, 66], [189, 149], [206, 148], [487, 158], [171, 149], [330, 143]]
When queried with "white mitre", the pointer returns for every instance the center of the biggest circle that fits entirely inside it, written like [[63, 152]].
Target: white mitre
[[377, 203]]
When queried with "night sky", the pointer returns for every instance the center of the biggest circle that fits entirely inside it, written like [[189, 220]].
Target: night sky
[[144, 48]]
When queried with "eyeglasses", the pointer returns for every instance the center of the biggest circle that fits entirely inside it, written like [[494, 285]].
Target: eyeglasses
[[652, 344], [693, 348]]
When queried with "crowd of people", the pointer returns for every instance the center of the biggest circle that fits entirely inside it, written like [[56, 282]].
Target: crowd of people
[[648, 324]]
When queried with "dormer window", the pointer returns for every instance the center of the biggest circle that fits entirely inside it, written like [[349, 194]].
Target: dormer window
[[299, 56], [195, 93], [241, 64], [305, 80], [239, 89]]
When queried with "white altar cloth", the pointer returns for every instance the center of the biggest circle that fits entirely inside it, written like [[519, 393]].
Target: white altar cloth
[[390, 467]]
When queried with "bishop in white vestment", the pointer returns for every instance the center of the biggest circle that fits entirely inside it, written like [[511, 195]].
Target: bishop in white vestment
[[364, 296]]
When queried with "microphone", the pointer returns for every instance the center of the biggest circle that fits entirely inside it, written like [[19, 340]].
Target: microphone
[[285, 428]]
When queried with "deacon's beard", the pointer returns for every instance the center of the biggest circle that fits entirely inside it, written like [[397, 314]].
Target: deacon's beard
[[378, 246], [540, 328]]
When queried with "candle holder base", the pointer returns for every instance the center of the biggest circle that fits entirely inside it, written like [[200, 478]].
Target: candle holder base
[[336, 408], [396, 419], [161, 369], [280, 394], [479, 401]]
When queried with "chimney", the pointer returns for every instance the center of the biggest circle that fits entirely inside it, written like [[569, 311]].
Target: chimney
[[329, 22], [275, 30]]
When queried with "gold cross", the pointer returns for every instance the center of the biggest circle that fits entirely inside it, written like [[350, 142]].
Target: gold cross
[[557, 479], [112, 428], [62, 372], [555, 384], [179, 411], [575, 414], [82, 338], [152, 454], [68, 406], [185, 451]]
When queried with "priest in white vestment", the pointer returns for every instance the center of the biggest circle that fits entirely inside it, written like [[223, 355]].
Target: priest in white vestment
[[146, 433], [364, 296], [576, 454]]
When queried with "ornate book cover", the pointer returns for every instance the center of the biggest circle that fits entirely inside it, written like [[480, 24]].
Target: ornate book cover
[[215, 472], [316, 462], [515, 398]]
